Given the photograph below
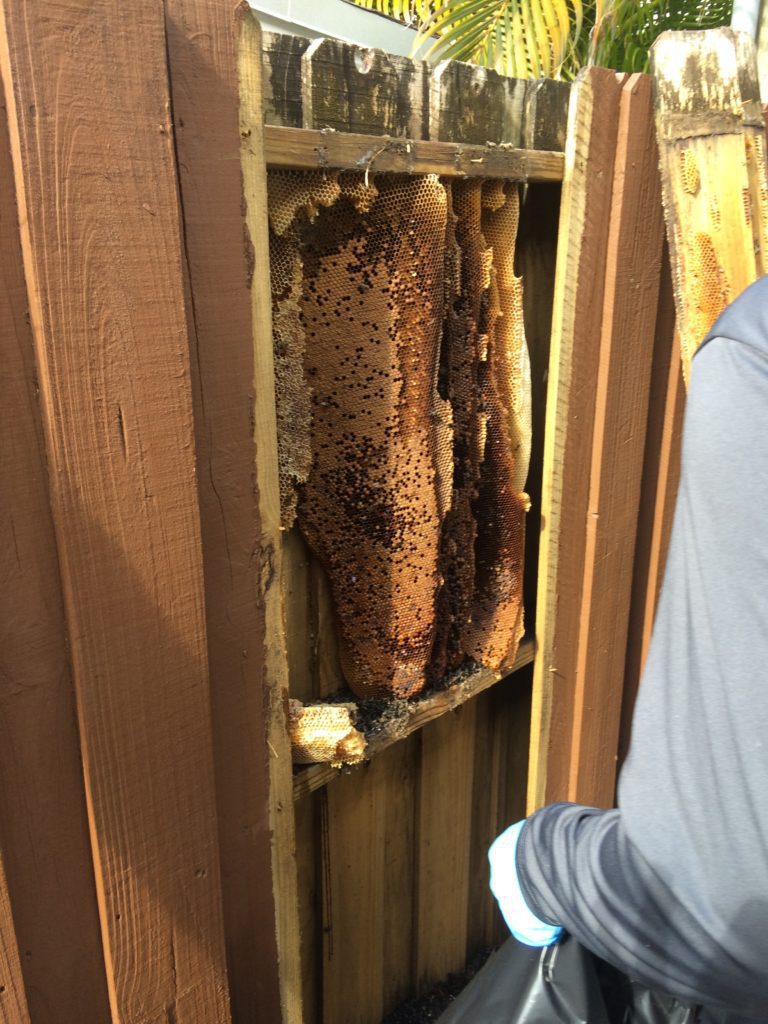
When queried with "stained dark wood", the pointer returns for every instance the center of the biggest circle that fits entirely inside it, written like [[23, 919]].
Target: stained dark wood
[[546, 114], [350, 89], [475, 105], [281, 64]]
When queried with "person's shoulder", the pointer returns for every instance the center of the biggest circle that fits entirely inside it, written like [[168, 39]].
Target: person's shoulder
[[745, 319]]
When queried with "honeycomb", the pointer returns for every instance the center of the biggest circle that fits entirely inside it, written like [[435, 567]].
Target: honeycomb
[[708, 292], [496, 626], [403, 395], [689, 172]]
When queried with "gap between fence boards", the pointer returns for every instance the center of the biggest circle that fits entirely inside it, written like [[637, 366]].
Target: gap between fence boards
[[425, 710], [308, 149]]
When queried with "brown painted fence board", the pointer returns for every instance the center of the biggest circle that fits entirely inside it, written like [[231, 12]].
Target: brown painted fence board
[[42, 799], [632, 270], [583, 235], [93, 159], [202, 51], [658, 490]]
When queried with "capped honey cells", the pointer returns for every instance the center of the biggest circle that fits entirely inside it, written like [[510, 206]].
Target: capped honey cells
[[403, 396]]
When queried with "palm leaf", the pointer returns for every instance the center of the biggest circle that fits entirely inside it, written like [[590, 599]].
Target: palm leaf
[[520, 38], [539, 38], [629, 27]]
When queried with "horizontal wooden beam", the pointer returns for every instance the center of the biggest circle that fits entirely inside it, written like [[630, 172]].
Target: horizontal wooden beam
[[423, 711], [307, 149]]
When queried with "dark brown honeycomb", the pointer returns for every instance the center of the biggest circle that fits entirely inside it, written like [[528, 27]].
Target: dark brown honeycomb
[[496, 625], [402, 380]]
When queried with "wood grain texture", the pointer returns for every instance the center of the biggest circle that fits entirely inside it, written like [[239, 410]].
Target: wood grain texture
[[355, 811], [546, 114], [351, 89], [401, 765], [42, 798], [96, 180], [269, 555], [315, 150], [281, 65], [444, 816], [472, 104], [202, 54], [308, 876], [13, 999], [572, 381], [658, 492], [632, 271]]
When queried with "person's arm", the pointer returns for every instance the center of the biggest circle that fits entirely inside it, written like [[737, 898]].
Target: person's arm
[[673, 887]]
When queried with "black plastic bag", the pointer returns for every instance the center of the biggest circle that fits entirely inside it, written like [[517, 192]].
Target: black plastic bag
[[520, 985], [560, 984]]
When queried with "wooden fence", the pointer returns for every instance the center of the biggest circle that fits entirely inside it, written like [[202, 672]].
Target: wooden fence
[[160, 859]]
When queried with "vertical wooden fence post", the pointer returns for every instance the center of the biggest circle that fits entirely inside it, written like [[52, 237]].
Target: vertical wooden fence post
[[269, 553], [202, 54], [95, 174], [43, 817]]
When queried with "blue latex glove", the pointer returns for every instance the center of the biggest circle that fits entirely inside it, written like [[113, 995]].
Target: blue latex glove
[[505, 886]]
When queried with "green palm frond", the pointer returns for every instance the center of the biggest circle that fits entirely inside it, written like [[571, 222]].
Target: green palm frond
[[520, 38], [548, 38]]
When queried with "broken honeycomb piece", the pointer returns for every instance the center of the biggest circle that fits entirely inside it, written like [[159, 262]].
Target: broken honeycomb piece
[[292, 392], [707, 292], [324, 733], [292, 192], [380, 436], [689, 172]]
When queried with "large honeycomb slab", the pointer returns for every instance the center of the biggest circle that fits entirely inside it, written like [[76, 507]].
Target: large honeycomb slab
[[372, 504], [496, 626], [403, 407]]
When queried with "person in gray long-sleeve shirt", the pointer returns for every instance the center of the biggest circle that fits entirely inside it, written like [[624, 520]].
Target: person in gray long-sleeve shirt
[[673, 886]]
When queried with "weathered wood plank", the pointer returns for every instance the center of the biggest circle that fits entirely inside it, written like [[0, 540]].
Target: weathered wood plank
[[281, 64], [316, 150], [754, 146], [444, 816], [704, 175], [401, 766], [425, 710], [42, 799], [513, 725], [353, 897], [351, 89], [574, 354], [202, 52], [13, 999], [274, 681], [546, 114], [101, 239], [488, 771], [632, 271], [308, 886], [476, 105], [658, 491]]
